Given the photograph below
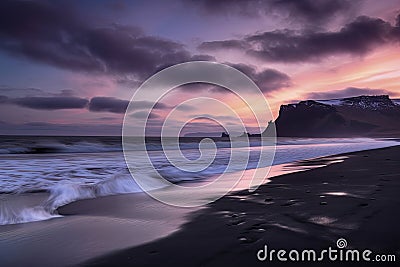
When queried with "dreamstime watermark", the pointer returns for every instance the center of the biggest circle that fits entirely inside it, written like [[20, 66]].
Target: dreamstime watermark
[[340, 253], [148, 97]]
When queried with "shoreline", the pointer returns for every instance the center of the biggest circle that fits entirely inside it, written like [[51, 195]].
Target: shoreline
[[356, 199], [98, 231]]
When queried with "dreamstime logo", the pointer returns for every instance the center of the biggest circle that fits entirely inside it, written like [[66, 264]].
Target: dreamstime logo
[[140, 157], [342, 253], [341, 243]]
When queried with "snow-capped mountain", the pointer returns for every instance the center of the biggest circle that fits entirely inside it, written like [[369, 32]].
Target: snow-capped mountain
[[354, 116], [364, 102]]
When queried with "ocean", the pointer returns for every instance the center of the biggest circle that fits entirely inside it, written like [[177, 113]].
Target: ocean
[[66, 169]]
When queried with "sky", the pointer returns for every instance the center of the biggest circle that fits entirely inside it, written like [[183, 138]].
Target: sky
[[71, 67]]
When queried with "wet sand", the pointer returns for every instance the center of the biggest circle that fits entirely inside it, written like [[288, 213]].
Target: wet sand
[[357, 199]]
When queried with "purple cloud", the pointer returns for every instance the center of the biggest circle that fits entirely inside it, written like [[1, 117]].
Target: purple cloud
[[307, 11], [108, 104], [55, 35], [49, 103], [115, 105], [356, 38]]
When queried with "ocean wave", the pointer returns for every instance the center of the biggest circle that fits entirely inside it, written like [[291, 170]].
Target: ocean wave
[[63, 194], [54, 147], [9, 215]]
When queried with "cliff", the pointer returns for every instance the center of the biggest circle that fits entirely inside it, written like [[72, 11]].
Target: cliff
[[369, 116]]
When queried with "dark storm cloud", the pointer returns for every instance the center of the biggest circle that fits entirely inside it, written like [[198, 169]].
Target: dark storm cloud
[[347, 92], [226, 44], [314, 11], [64, 101], [267, 80], [55, 35], [115, 105], [44, 33], [38, 99], [356, 38], [50, 103], [108, 104]]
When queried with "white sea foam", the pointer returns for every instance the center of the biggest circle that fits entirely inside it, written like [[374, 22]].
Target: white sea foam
[[65, 193], [8, 215]]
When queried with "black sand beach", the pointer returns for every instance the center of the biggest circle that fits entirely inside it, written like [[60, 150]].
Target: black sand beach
[[356, 199]]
